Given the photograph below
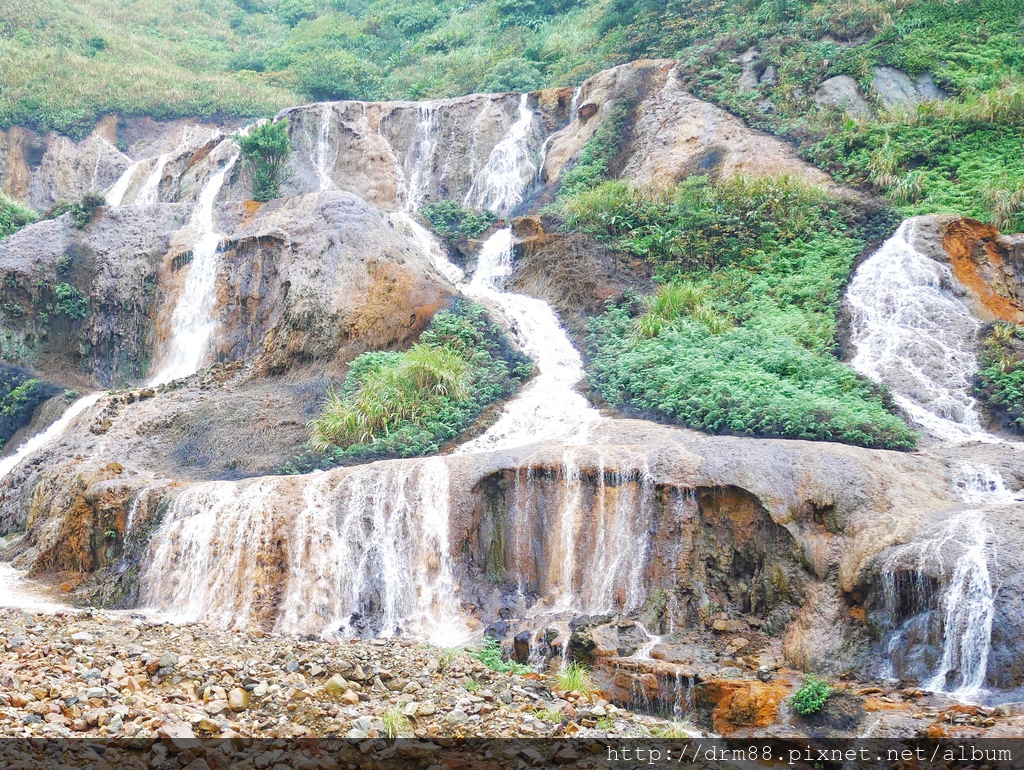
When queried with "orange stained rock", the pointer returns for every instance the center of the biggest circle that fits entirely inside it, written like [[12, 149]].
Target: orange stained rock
[[977, 263]]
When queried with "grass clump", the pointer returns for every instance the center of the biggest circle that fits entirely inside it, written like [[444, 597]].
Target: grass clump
[[14, 216], [265, 152], [395, 722], [405, 404], [677, 728], [740, 336], [1000, 382], [490, 655], [576, 678], [810, 698], [451, 222]]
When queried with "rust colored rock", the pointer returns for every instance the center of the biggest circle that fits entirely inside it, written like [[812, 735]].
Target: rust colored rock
[[982, 261], [743, 703]]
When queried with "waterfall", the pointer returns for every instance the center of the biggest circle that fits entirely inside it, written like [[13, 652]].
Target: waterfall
[[418, 166], [511, 168], [913, 334], [367, 554], [548, 408], [46, 437], [323, 159], [593, 553], [193, 322], [116, 193], [149, 192]]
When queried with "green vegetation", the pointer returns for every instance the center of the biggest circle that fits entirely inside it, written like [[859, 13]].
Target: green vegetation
[[1001, 376], [576, 678], [594, 162], [265, 152], [810, 698], [395, 721], [490, 655], [65, 64], [20, 396], [677, 728], [451, 222], [14, 216], [61, 300], [404, 404], [740, 337], [82, 212]]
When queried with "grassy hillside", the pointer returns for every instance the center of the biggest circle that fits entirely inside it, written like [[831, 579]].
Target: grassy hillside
[[64, 62]]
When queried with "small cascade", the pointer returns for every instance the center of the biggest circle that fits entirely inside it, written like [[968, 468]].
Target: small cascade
[[597, 535], [643, 652], [428, 245], [149, 192], [193, 322], [366, 555], [417, 168], [115, 195], [48, 436], [511, 168], [323, 159], [548, 408], [913, 334]]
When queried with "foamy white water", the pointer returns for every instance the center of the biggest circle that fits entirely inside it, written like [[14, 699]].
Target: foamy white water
[[548, 408], [116, 193], [18, 592], [511, 168], [193, 320], [914, 334]]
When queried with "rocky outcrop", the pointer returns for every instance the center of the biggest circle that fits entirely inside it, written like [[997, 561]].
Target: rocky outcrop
[[896, 88], [841, 93], [672, 134], [990, 265]]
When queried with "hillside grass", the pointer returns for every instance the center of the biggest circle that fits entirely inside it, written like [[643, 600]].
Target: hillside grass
[[411, 403], [66, 62], [740, 337]]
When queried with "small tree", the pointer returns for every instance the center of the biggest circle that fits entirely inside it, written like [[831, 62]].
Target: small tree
[[265, 151]]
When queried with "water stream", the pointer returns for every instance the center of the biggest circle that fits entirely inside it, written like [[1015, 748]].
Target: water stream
[[193, 319], [915, 335]]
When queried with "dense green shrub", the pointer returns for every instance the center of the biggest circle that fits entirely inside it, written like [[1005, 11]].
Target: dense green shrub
[[594, 161], [61, 300], [810, 698], [14, 216], [740, 337], [490, 655], [265, 152], [82, 211], [405, 404], [1001, 376], [450, 221], [20, 395]]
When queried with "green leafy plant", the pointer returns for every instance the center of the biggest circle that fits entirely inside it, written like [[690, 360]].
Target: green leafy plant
[[265, 151], [740, 336], [490, 655], [451, 221], [20, 396], [810, 698], [82, 211], [1000, 380]]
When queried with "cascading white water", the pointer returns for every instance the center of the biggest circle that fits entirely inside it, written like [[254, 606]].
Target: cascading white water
[[593, 555], [511, 168], [193, 322], [368, 553], [116, 193], [323, 158], [149, 192], [913, 334], [51, 434], [418, 165], [548, 408]]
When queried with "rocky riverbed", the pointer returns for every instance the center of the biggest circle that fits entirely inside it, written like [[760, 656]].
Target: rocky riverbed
[[128, 677], [96, 674]]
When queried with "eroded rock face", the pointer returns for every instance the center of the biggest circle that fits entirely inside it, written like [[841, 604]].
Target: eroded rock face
[[841, 92], [896, 88]]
